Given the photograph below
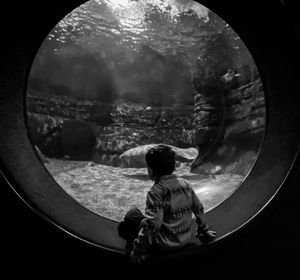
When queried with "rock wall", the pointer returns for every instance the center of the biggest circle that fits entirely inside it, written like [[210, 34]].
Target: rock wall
[[245, 117], [245, 107], [44, 132], [244, 124], [86, 130], [113, 130], [69, 108]]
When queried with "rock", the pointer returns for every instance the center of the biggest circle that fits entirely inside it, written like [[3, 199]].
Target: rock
[[44, 132], [107, 131], [70, 108], [245, 111], [124, 125], [242, 123], [78, 139], [116, 139], [134, 114], [106, 159], [99, 113]]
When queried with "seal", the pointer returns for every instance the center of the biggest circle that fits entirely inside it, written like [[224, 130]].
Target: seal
[[135, 157]]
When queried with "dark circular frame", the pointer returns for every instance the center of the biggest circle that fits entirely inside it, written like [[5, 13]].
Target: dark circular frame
[[271, 37]]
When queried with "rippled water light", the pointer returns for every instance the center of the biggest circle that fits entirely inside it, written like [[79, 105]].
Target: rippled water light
[[132, 14]]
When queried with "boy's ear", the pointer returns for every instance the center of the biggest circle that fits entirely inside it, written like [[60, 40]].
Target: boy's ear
[[151, 173], [150, 170]]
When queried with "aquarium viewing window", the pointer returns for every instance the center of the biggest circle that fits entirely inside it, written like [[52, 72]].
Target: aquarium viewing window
[[113, 78]]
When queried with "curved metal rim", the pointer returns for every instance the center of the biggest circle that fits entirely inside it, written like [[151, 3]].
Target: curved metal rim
[[46, 199]]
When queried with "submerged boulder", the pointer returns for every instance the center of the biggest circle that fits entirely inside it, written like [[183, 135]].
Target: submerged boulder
[[78, 139], [44, 132]]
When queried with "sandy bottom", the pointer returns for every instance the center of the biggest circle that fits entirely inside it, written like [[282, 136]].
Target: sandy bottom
[[111, 191]]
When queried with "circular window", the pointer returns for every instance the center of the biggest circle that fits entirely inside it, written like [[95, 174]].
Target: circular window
[[113, 78]]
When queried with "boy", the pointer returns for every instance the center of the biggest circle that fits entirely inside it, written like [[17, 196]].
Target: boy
[[168, 223]]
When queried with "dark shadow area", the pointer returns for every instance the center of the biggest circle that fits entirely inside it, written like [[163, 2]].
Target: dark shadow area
[[88, 243]]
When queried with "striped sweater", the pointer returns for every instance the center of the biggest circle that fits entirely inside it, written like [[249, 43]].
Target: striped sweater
[[168, 223]]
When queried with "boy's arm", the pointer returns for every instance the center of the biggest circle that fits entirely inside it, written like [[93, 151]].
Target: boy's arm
[[150, 225], [198, 210], [204, 232]]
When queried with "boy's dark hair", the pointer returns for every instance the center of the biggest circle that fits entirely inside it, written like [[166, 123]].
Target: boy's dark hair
[[161, 159]]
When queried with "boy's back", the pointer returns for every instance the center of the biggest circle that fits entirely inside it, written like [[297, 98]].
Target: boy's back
[[169, 207], [170, 204]]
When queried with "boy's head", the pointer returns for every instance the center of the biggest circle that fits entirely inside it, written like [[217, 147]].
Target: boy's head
[[161, 160]]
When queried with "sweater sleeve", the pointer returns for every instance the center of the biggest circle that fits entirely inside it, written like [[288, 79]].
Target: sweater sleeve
[[151, 223], [198, 210]]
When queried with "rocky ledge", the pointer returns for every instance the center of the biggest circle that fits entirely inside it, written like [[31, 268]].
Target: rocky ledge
[[90, 130]]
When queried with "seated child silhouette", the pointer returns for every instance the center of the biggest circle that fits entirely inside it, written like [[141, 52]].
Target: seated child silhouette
[[168, 223]]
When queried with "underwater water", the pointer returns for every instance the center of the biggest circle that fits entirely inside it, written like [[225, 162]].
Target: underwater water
[[112, 191], [115, 77]]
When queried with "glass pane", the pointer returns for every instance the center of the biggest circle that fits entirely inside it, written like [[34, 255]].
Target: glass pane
[[113, 78]]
